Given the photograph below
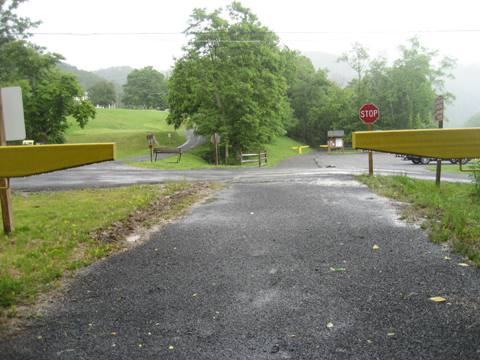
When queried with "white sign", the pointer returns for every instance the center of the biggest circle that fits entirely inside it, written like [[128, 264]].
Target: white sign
[[215, 139], [13, 118]]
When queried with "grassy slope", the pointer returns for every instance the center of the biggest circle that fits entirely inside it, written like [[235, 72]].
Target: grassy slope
[[452, 212], [279, 150], [54, 234], [127, 128]]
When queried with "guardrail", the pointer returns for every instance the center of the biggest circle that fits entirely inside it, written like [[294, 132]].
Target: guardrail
[[260, 158]]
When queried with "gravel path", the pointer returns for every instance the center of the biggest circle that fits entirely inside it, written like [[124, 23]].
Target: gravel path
[[276, 270]]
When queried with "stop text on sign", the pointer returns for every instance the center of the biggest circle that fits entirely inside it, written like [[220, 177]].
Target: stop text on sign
[[369, 113]]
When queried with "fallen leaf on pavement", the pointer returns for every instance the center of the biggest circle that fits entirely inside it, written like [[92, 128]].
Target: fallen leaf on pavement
[[438, 299], [376, 247], [329, 325]]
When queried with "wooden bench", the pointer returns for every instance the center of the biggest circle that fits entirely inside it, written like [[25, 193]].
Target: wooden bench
[[158, 150], [154, 149]]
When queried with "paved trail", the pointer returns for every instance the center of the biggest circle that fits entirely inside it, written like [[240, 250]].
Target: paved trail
[[249, 275]]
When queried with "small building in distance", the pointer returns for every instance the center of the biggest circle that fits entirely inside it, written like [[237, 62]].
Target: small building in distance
[[335, 140]]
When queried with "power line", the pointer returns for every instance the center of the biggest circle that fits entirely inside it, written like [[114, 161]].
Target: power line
[[155, 33]]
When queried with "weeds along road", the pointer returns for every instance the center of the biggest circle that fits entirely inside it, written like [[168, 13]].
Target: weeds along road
[[316, 164], [269, 270]]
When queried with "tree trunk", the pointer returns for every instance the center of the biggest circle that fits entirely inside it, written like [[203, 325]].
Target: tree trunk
[[226, 151]]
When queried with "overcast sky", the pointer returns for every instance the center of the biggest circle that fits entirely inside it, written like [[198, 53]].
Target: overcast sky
[[330, 26]]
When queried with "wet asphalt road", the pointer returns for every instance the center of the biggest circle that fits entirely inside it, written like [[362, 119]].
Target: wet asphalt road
[[117, 173], [256, 273]]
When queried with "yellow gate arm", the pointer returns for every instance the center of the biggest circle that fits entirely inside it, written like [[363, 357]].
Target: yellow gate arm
[[434, 143], [300, 148], [17, 161]]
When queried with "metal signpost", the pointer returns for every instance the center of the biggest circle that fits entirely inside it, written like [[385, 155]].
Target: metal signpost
[[369, 114], [19, 161], [12, 128], [439, 117]]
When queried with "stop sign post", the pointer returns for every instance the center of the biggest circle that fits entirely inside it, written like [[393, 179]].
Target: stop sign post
[[369, 114]]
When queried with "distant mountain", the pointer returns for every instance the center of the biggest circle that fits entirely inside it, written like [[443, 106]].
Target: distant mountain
[[117, 75], [85, 78]]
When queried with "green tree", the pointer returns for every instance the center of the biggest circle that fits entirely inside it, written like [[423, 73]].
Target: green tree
[[405, 91], [358, 59], [230, 79], [318, 104], [12, 26], [102, 93], [146, 88], [49, 95]]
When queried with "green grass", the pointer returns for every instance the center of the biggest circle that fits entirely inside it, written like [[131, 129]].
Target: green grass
[[451, 212], [279, 150], [54, 234], [128, 129], [452, 169]]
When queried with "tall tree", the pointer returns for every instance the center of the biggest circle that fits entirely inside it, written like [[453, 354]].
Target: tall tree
[[12, 26], [318, 104], [358, 59], [146, 88], [49, 95], [406, 90], [230, 79], [102, 93]]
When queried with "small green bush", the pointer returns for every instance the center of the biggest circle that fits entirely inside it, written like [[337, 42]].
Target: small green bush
[[476, 178]]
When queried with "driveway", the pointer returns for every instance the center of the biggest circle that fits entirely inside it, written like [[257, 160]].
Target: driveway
[[271, 268]]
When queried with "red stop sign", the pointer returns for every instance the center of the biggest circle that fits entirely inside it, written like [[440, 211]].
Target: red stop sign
[[369, 113]]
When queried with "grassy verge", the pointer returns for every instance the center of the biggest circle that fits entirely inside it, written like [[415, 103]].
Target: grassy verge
[[452, 169], [56, 232], [278, 151], [128, 129], [451, 212]]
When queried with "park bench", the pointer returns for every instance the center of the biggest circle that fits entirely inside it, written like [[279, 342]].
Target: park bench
[[155, 150]]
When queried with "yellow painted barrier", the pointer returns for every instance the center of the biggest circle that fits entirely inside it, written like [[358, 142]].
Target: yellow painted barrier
[[434, 143], [300, 148], [17, 161]]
